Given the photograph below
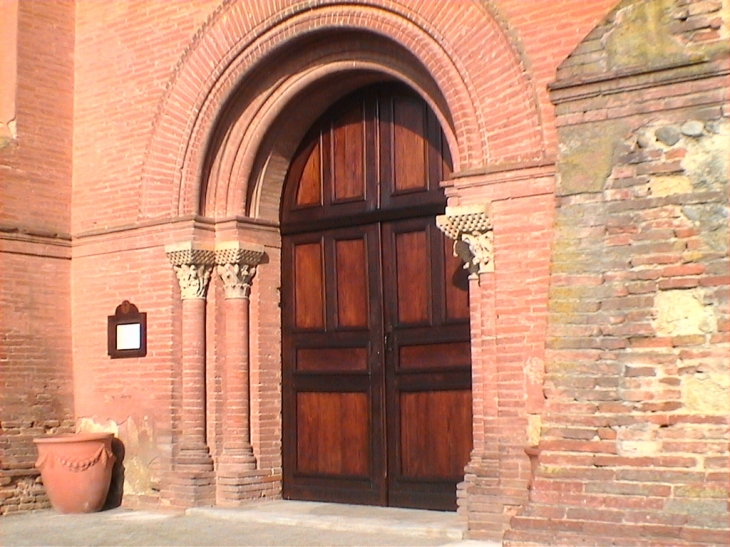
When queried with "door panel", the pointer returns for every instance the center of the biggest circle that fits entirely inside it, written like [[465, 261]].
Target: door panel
[[435, 434], [348, 156], [309, 290], [434, 356], [411, 255], [375, 345], [352, 283], [309, 192], [409, 150], [333, 433], [332, 359]]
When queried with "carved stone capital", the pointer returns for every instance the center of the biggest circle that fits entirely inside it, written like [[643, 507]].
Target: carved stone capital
[[237, 264], [193, 265], [471, 229]]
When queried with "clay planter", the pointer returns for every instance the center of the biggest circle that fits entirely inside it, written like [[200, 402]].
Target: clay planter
[[76, 470]]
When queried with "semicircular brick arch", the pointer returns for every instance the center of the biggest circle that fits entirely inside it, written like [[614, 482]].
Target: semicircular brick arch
[[259, 134], [481, 93]]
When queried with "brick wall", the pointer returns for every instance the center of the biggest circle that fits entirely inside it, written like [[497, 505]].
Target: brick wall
[[634, 441], [633, 231], [35, 249], [126, 55]]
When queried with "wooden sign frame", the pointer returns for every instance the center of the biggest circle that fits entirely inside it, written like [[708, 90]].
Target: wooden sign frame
[[127, 332]]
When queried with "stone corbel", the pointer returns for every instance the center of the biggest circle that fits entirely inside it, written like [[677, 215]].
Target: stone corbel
[[193, 264], [237, 264], [471, 229]]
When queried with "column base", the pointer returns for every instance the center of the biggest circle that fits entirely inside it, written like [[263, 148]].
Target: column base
[[191, 483], [190, 488], [236, 486], [194, 458], [237, 458]]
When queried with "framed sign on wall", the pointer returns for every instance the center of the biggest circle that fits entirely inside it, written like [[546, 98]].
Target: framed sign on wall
[[127, 332]]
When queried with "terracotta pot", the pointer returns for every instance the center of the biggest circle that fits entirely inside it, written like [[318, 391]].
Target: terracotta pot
[[76, 470]]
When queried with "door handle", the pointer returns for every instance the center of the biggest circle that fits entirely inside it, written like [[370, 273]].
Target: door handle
[[388, 341]]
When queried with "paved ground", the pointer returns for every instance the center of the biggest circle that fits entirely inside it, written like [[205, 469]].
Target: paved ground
[[278, 523]]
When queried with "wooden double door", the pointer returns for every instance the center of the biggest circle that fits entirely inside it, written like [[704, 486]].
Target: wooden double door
[[376, 352]]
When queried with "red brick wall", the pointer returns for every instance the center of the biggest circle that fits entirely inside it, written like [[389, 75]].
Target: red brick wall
[[152, 82], [126, 55], [35, 250]]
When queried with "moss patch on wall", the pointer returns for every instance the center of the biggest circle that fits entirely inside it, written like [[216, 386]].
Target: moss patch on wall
[[642, 37]]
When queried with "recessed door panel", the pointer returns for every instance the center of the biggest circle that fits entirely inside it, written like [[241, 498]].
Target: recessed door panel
[[309, 192], [435, 429], [325, 359], [348, 155], [409, 146], [413, 286], [309, 289], [333, 433], [352, 284], [433, 356]]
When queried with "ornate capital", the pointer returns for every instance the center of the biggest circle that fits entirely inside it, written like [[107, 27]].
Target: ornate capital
[[471, 229], [193, 264], [237, 265]]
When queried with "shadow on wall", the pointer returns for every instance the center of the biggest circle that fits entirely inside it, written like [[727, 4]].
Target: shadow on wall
[[116, 487]]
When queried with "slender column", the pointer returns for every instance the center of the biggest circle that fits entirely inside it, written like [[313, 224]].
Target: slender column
[[236, 470], [193, 266], [237, 267]]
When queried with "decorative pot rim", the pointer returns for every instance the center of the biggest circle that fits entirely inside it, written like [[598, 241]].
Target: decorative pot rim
[[73, 438]]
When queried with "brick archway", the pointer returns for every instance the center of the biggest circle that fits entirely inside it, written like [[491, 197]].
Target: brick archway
[[450, 70], [240, 102]]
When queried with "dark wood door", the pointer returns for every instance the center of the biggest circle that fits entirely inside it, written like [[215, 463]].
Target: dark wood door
[[376, 361]]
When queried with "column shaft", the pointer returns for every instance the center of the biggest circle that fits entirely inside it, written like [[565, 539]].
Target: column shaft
[[193, 375], [237, 437], [237, 477]]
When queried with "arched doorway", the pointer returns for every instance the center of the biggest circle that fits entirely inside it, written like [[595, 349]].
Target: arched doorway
[[375, 315]]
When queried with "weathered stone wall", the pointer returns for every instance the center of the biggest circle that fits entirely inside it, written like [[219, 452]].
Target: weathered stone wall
[[634, 444]]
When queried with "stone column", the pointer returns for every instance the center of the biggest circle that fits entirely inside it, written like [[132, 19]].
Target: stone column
[[236, 474], [193, 481]]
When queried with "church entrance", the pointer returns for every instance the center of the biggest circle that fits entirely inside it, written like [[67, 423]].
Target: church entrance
[[375, 315]]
